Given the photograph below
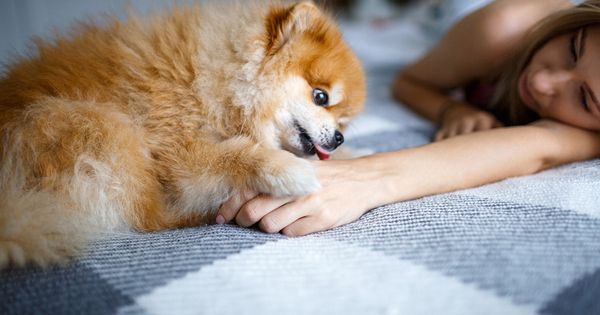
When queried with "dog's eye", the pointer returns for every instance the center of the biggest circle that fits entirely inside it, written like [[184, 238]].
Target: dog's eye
[[320, 97]]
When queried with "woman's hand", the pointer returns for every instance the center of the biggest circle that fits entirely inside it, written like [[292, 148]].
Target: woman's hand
[[349, 189], [461, 118]]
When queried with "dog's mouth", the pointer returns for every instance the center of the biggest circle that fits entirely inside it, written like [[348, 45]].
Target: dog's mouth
[[310, 147]]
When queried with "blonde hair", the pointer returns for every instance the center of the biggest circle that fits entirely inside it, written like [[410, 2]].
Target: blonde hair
[[507, 103]]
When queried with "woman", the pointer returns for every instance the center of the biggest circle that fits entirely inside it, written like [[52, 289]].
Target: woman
[[531, 65]]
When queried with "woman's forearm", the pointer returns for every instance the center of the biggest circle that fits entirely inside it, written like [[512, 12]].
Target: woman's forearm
[[426, 101], [475, 159]]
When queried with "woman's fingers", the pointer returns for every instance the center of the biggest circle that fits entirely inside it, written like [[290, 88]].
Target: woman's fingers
[[231, 207], [488, 122], [304, 226], [283, 216], [254, 210], [440, 135], [484, 124], [448, 132], [318, 216], [466, 126], [454, 130], [465, 119]]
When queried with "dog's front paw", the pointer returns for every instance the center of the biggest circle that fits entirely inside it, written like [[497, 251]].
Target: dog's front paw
[[287, 175]]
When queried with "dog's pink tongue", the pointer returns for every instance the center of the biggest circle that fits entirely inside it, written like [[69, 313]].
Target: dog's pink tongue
[[322, 153]]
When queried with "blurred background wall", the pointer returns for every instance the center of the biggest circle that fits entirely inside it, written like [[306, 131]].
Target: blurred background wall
[[22, 19]]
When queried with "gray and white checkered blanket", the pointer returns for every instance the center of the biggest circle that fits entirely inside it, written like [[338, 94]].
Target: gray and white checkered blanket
[[528, 245]]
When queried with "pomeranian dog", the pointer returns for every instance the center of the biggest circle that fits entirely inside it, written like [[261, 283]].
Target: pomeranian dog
[[151, 124]]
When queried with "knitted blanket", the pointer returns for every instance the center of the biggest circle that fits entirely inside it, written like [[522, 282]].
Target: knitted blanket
[[528, 245]]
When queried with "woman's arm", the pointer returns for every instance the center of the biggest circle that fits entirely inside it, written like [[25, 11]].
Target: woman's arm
[[481, 158], [352, 187]]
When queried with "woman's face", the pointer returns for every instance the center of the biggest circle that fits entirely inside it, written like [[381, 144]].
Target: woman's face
[[562, 81]]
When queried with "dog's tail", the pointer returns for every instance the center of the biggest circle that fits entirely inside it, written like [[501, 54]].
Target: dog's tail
[[43, 227], [36, 227]]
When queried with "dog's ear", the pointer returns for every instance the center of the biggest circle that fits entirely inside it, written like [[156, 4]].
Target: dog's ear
[[283, 24]]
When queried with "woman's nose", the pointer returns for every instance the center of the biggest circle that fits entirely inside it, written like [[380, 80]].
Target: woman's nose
[[549, 82]]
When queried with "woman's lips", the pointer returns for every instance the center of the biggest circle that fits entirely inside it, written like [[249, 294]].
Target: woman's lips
[[524, 92]]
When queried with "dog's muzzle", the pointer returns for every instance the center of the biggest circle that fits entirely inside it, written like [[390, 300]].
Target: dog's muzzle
[[322, 150]]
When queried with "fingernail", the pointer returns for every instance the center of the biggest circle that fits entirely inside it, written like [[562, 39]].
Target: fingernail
[[220, 219]]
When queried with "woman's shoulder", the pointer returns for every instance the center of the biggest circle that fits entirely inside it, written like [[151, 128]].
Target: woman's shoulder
[[504, 22], [496, 30]]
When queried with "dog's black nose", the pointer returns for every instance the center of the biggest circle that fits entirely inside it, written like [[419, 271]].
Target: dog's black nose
[[339, 138], [336, 141]]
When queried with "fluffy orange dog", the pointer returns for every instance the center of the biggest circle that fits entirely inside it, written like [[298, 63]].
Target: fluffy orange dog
[[151, 125]]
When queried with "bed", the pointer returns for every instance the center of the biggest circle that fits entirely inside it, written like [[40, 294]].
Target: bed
[[527, 245]]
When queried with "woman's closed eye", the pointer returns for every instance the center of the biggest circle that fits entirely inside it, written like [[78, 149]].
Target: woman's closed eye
[[575, 50], [584, 101]]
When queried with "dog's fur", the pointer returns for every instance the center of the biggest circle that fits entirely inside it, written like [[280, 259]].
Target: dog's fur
[[152, 124]]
